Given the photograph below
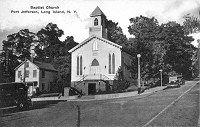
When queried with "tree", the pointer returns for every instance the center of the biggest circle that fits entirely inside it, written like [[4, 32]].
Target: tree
[[115, 33], [191, 24], [15, 49], [179, 50], [145, 32], [49, 43], [63, 62], [120, 83]]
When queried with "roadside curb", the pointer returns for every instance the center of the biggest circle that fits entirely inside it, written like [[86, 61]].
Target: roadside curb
[[99, 97], [103, 96], [119, 95]]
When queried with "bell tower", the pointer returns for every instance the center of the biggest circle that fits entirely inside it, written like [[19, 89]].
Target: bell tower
[[98, 23]]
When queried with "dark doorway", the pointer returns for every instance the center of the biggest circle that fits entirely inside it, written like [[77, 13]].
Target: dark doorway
[[91, 88]]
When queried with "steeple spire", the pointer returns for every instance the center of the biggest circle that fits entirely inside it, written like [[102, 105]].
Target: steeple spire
[[97, 12]]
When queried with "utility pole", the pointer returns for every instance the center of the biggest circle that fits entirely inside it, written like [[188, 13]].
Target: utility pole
[[24, 79], [139, 78], [161, 77], [79, 116]]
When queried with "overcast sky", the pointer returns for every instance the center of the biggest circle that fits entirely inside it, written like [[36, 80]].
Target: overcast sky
[[76, 24]]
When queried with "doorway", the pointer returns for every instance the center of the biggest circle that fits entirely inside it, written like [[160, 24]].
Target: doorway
[[91, 88]]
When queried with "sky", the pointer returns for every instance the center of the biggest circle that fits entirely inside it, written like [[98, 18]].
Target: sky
[[77, 22]]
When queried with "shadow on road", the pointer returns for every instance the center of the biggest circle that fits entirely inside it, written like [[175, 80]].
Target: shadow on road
[[36, 105]]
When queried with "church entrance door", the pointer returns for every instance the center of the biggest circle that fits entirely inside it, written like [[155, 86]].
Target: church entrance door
[[91, 88], [95, 68]]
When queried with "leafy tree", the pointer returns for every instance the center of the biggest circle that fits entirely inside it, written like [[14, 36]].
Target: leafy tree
[[115, 33], [145, 31], [49, 43], [63, 62], [15, 49], [179, 50], [120, 83], [191, 24]]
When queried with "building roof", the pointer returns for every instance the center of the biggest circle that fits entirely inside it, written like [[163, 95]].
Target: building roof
[[45, 66], [90, 38], [97, 12], [40, 65]]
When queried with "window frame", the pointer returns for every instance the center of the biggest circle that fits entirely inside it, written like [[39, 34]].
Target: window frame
[[95, 46], [34, 73], [27, 73], [96, 22], [19, 74], [43, 73]]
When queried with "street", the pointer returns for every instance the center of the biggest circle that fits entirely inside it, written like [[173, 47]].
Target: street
[[171, 107]]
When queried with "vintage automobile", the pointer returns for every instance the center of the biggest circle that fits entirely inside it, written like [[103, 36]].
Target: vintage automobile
[[14, 94], [175, 81]]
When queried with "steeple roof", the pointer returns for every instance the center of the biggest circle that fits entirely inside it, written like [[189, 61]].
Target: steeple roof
[[97, 12]]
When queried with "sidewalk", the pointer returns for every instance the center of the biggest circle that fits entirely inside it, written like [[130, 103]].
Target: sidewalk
[[99, 97]]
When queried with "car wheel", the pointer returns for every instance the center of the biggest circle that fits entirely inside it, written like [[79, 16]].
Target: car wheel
[[21, 105]]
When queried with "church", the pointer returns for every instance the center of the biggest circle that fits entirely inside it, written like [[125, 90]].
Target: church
[[96, 60]]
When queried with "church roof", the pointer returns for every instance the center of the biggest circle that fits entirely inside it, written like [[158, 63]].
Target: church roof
[[90, 38], [97, 12]]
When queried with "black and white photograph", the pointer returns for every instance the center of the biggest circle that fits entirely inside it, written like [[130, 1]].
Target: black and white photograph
[[99, 63]]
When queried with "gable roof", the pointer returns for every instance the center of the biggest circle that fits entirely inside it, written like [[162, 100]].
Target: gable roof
[[90, 38], [40, 65], [97, 12], [45, 66]]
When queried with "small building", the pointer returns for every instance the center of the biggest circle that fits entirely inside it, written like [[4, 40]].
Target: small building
[[39, 76], [96, 60]]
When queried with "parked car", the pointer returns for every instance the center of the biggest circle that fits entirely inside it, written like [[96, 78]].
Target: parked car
[[175, 81], [14, 94], [173, 85]]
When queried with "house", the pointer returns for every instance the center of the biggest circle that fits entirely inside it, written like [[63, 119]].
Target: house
[[39, 76], [96, 60]]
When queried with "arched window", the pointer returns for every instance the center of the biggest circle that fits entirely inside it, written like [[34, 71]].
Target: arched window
[[109, 64], [77, 65], [81, 65], [113, 63], [95, 22], [95, 62], [95, 45]]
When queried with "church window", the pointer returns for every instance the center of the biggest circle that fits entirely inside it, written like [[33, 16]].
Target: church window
[[95, 63], [113, 63], [109, 67], [79, 65], [95, 46], [95, 22]]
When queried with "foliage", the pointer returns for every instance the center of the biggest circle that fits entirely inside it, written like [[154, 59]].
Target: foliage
[[191, 24], [179, 50], [144, 30], [115, 33], [47, 46], [15, 49], [63, 62], [163, 47], [49, 43], [120, 83]]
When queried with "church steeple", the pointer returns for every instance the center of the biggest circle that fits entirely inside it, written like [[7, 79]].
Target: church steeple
[[97, 12], [98, 23]]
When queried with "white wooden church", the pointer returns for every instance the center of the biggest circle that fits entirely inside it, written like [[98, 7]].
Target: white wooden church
[[96, 60]]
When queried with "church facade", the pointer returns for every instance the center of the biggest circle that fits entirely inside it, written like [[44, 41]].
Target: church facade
[[96, 60]]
